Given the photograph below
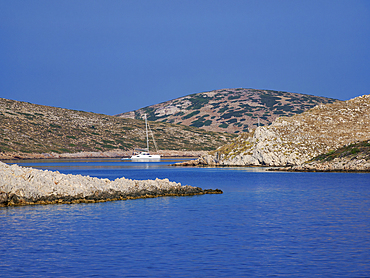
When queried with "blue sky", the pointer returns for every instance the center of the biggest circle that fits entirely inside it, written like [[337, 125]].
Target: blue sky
[[116, 56]]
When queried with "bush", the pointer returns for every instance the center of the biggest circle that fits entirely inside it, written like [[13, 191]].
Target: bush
[[269, 100], [233, 97], [223, 125], [232, 121], [108, 146], [200, 122], [198, 101], [191, 114], [222, 110]]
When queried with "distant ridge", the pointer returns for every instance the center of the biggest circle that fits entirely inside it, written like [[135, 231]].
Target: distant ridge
[[229, 110]]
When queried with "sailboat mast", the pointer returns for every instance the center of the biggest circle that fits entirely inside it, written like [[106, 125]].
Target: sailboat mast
[[146, 130]]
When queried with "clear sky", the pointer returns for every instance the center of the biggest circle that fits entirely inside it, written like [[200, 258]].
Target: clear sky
[[115, 56]]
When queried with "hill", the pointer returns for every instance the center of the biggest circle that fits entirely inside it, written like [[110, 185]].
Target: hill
[[297, 139], [229, 110], [31, 128]]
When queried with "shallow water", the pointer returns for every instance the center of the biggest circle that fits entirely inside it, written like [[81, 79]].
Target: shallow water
[[265, 224]]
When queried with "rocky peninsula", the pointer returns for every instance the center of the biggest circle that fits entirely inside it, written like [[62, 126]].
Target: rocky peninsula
[[292, 141], [27, 186]]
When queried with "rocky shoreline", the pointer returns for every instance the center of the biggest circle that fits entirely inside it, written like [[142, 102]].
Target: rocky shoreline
[[27, 186], [337, 165]]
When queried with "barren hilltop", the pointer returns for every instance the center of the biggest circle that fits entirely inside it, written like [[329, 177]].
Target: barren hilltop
[[298, 139], [229, 110], [30, 128]]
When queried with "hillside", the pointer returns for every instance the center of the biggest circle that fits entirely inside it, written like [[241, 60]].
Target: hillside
[[297, 139], [229, 110], [31, 128]]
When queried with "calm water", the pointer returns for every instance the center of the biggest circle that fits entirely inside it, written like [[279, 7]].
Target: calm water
[[265, 224]]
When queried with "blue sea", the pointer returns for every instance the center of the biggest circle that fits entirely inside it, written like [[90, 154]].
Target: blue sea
[[265, 224]]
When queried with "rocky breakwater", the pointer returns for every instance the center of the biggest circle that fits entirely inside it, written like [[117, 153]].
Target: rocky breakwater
[[297, 139], [26, 186]]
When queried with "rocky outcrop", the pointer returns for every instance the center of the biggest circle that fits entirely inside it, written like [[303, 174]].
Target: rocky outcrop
[[26, 186], [297, 139], [205, 160]]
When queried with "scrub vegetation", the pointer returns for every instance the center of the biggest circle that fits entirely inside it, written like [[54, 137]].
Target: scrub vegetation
[[350, 151]]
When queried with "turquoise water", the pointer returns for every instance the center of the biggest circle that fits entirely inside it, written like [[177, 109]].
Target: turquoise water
[[266, 224]]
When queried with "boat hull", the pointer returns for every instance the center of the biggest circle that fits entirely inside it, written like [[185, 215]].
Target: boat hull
[[146, 158]]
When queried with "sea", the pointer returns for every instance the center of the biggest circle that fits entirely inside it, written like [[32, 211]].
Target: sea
[[265, 224]]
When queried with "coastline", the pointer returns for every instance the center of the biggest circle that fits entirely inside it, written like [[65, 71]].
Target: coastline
[[107, 154], [342, 165], [21, 186]]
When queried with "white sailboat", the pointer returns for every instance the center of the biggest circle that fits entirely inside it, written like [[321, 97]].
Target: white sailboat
[[143, 155]]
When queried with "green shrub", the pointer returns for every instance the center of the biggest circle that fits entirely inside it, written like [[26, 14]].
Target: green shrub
[[233, 97], [108, 146], [222, 110], [201, 122], [269, 100], [198, 101], [232, 121], [191, 114]]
